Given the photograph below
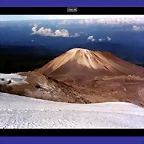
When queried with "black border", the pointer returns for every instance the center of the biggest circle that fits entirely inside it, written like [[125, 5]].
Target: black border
[[60, 11], [80, 11], [71, 132]]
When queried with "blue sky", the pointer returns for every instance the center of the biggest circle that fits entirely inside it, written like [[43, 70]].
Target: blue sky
[[45, 17]]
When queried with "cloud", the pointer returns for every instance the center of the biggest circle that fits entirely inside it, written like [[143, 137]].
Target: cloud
[[108, 38], [138, 28], [48, 32], [91, 38], [100, 39], [34, 29], [76, 35], [104, 39]]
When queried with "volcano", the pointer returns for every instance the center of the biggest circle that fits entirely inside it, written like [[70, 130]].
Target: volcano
[[79, 65]]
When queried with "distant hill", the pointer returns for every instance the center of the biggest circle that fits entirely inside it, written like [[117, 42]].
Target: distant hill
[[81, 65]]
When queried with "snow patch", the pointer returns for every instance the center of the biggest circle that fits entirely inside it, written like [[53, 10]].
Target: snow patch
[[12, 79]]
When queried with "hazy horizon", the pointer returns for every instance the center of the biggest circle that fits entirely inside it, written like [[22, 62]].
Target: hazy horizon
[[52, 17]]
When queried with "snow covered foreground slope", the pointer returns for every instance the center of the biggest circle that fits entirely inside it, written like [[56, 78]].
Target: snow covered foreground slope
[[23, 112]]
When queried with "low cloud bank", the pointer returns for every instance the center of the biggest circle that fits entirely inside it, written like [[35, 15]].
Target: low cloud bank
[[48, 32]]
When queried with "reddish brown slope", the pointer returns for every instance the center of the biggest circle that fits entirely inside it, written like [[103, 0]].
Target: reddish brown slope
[[48, 89], [106, 89]]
